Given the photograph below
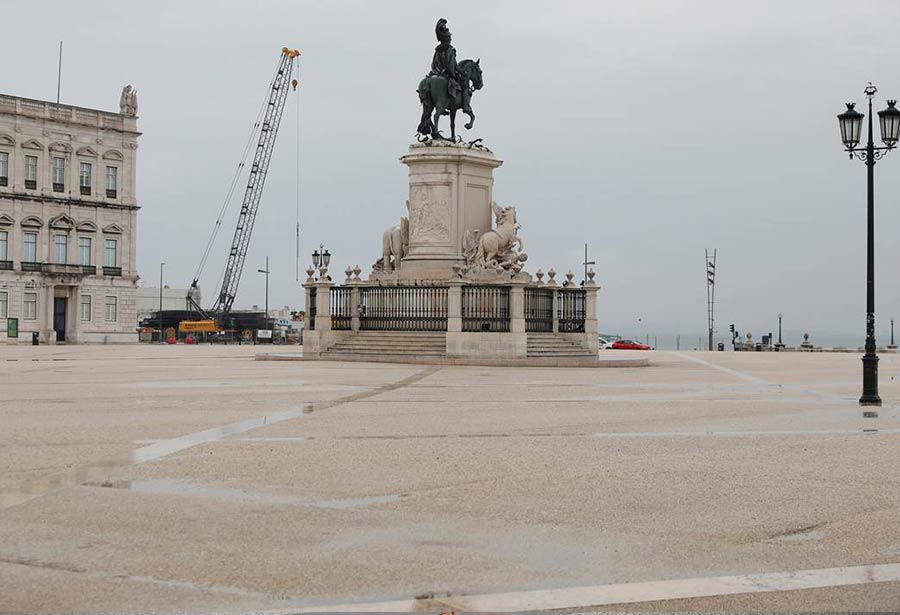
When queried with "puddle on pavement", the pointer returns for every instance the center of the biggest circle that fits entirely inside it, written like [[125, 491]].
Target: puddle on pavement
[[166, 486], [355, 502], [802, 536], [164, 448], [805, 534]]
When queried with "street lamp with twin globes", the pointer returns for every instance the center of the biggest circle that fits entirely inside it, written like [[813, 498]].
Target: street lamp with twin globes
[[851, 126]]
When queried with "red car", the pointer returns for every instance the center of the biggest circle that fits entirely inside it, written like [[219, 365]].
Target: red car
[[629, 345]]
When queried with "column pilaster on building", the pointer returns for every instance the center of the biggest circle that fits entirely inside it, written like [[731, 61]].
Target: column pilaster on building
[[591, 327], [354, 306], [47, 317], [323, 303], [517, 307], [75, 310], [555, 304], [454, 306]]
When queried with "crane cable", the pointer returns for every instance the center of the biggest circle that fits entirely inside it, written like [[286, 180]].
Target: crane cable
[[297, 248], [254, 131]]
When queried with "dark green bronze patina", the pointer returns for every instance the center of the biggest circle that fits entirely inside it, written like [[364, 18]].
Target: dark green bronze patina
[[448, 87]]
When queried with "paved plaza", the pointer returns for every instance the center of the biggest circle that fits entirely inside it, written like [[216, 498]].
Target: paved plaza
[[189, 479]]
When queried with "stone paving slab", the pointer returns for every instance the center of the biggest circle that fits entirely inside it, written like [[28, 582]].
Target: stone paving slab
[[383, 482]]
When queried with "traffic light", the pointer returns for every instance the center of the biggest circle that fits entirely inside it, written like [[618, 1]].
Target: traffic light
[[710, 272]]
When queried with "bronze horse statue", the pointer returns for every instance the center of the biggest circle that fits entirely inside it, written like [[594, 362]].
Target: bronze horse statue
[[435, 97]]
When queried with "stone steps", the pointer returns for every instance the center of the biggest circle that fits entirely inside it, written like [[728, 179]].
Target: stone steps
[[428, 344], [387, 344], [552, 345]]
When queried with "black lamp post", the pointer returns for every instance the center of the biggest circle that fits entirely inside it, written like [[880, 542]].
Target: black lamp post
[[851, 127], [266, 271], [161, 265], [780, 343]]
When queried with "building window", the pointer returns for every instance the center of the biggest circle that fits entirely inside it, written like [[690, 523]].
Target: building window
[[111, 309], [30, 305], [4, 169], [59, 174], [112, 182], [31, 172], [111, 249], [60, 245], [85, 308], [4, 303], [84, 250], [4, 245], [30, 248], [84, 178]]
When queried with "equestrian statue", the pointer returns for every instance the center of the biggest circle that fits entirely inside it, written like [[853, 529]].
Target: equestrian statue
[[447, 88]]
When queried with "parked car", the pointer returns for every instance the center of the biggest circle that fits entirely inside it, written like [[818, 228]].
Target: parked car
[[605, 342], [629, 345]]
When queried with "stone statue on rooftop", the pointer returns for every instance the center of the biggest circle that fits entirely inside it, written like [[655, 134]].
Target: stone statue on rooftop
[[128, 101], [447, 88]]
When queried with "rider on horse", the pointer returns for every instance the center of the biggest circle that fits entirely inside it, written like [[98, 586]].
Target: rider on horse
[[448, 87], [443, 63]]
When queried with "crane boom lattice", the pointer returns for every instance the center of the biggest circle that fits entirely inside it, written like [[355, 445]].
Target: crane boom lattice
[[268, 130]]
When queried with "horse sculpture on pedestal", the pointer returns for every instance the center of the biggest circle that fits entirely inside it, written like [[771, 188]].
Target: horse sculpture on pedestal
[[497, 250], [434, 94]]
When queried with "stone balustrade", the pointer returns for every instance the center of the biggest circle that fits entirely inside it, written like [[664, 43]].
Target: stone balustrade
[[479, 319]]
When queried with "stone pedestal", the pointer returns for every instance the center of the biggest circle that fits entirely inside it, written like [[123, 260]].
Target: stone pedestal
[[450, 192]]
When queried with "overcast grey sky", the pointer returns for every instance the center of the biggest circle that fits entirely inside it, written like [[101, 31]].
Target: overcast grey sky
[[650, 130]]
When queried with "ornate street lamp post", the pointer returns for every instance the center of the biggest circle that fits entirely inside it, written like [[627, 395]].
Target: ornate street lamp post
[[321, 257], [851, 124]]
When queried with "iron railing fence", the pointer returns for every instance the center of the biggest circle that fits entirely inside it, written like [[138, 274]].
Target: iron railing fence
[[403, 308], [571, 306], [485, 308], [340, 308], [538, 310]]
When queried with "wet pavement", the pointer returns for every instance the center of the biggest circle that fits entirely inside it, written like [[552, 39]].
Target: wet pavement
[[192, 479]]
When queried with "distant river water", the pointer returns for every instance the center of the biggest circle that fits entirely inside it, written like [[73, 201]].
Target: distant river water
[[688, 341]]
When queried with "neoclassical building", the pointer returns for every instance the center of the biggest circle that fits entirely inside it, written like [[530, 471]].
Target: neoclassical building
[[68, 217]]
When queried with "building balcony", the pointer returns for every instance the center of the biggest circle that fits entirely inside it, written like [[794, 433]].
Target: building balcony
[[112, 271], [4, 181], [31, 184], [6, 265], [63, 268], [59, 187], [111, 194], [89, 269], [85, 191], [31, 266]]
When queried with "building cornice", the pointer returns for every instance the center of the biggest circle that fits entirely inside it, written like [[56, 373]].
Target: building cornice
[[30, 108], [34, 198]]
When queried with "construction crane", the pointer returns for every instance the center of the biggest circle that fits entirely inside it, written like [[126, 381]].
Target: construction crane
[[267, 129]]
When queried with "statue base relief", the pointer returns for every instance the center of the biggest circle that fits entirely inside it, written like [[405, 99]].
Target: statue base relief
[[450, 191]]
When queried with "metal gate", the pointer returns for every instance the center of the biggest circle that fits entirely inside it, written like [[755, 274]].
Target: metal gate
[[538, 310], [485, 308], [403, 308], [311, 310], [340, 308], [571, 311]]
